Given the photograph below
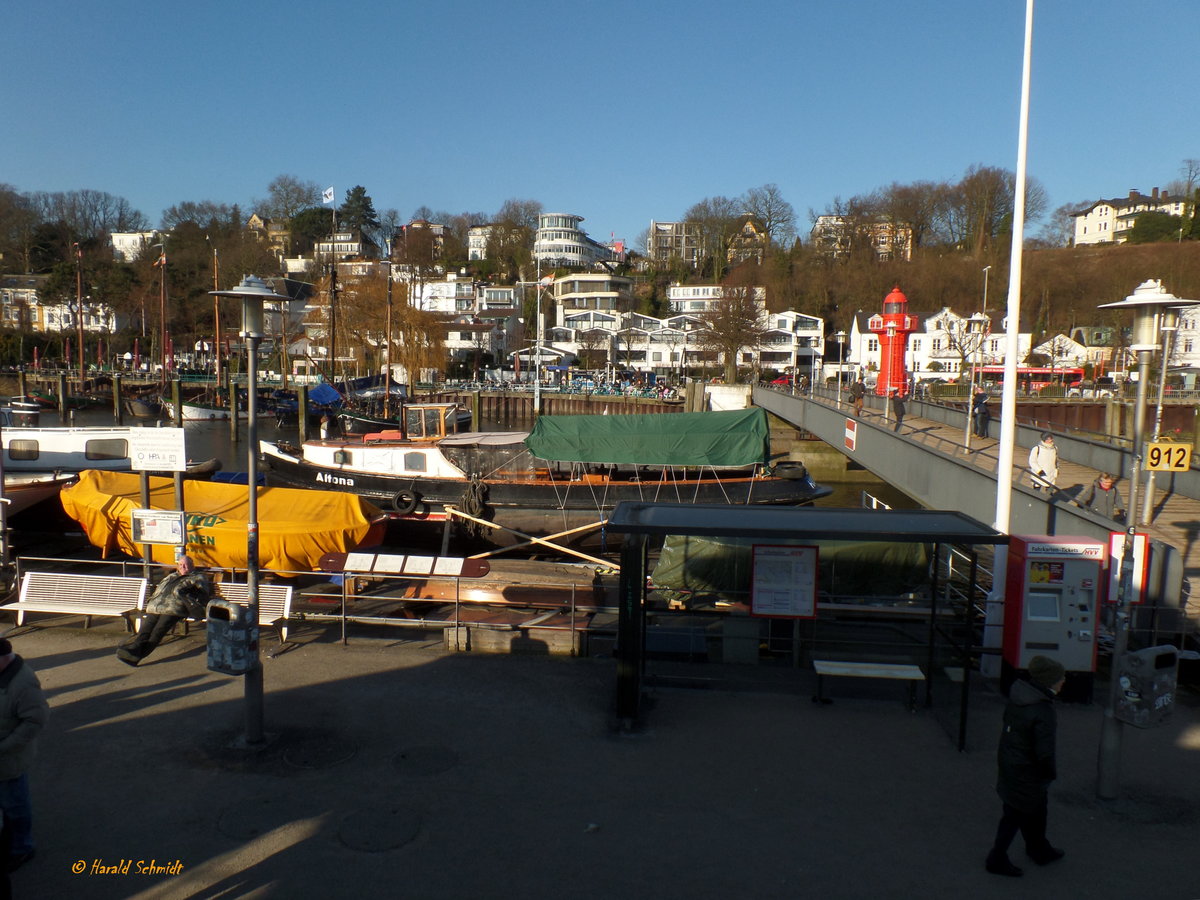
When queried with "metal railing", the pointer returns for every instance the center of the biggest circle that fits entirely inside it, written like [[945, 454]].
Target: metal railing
[[390, 600]]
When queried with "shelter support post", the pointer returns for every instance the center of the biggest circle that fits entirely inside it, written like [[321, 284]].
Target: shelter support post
[[631, 629], [967, 641], [931, 659]]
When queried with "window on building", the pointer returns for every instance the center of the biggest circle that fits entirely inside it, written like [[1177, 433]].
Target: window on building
[[872, 345]]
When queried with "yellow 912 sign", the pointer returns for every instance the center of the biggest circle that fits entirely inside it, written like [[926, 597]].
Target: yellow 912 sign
[[1164, 457]]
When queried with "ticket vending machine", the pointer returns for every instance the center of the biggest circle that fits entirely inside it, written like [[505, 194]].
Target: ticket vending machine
[[1053, 590]]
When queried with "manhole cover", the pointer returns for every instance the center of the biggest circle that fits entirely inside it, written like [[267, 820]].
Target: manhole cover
[[318, 753], [426, 760], [377, 829]]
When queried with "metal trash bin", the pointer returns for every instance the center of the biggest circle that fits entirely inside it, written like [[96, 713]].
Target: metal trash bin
[[232, 638], [1146, 692]]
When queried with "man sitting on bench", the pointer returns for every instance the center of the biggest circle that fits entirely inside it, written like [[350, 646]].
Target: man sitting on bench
[[181, 594]]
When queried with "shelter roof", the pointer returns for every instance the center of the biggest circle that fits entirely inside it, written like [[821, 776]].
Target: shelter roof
[[803, 522]]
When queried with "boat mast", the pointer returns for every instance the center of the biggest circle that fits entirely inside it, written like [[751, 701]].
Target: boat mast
[[162, 308], [387, 333], [78, 316], [216, 325]]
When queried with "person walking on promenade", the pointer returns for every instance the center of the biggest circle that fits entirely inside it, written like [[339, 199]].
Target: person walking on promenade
[[858, 391], [1043, 463], [1027, 764], [1103, 497], [897, 409], [182, 593], [23, 712], [980, 414]]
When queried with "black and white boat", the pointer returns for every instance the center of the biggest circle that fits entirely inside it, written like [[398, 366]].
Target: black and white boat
[[569, 472]]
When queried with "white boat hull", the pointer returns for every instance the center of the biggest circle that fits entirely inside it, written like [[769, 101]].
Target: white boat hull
[[200, 412]]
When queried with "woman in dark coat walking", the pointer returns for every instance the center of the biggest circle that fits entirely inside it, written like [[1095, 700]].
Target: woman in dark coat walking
[[1027, 766]]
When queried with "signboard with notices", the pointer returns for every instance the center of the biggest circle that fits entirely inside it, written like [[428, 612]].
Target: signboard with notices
[[158, 526], [784, 582], [157, 450]]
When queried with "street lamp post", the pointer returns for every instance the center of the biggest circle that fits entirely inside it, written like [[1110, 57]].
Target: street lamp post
[[1146, 302], [252, 292], [841, 339], [977, 326], [1170, 324]]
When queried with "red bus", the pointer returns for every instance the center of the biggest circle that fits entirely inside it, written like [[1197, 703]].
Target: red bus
[[1031, 379]]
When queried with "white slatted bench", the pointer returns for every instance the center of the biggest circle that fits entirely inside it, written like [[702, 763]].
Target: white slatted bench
[[80, 595], [274, 603], [895, 671]]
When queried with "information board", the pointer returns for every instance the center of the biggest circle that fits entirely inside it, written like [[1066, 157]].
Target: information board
[[157, 526], [784, 582], [157, 450]]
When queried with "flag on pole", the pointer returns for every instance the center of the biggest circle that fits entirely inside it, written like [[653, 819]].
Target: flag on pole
[[161, 261], [327, 195]]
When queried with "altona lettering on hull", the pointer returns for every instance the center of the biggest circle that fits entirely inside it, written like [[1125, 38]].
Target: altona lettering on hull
[[326, 478]]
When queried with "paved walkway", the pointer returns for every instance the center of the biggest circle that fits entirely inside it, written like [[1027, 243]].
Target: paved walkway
[[401, 771]]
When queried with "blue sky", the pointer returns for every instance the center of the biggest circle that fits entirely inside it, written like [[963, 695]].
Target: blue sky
[[621, 112]]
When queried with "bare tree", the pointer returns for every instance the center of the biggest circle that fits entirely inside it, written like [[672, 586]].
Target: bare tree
[[776, 215], [286, 196], [733, 323], [914, 206], [520, 212], [717, 219], [979, 208], [1059, 229], [204, 213]]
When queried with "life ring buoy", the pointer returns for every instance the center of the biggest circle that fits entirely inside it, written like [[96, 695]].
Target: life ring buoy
[[405, 502]]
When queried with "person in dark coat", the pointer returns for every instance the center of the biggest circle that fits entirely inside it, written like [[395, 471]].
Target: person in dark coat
[[181, 594], [1027, 766], [858, 391], [897, 409], [980, 414], [23, 713], [1104, 498]]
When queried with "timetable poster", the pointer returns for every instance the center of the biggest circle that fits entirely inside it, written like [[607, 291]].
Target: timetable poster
[[784, 582]]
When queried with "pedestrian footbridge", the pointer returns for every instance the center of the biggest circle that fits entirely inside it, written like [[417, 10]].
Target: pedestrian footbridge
[[930, 460]]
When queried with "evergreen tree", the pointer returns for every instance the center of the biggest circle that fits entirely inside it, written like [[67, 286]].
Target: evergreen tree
[[358, 211]]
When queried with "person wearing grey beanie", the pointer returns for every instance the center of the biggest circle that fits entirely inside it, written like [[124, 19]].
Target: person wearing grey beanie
[[1027, 763]]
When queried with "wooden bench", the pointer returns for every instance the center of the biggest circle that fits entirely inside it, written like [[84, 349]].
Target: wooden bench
[[274, 603], [80, 595], [895, 671]]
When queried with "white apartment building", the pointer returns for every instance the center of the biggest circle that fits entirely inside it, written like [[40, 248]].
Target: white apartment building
[[453, 294], [559, 241], [938, 349], [477, 241], [130, 245], [1109, 221], [700, 298], [591, 291]]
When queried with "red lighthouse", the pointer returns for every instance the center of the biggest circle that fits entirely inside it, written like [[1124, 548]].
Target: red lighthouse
[[893, 329]]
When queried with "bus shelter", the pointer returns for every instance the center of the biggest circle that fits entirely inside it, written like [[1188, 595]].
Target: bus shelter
[[785, 543]]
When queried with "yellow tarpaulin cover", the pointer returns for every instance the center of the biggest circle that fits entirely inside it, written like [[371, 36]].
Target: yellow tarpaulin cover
[[296, 527]]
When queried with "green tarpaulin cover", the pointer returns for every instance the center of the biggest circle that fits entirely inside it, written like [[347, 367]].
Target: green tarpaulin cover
[[720, 439]]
